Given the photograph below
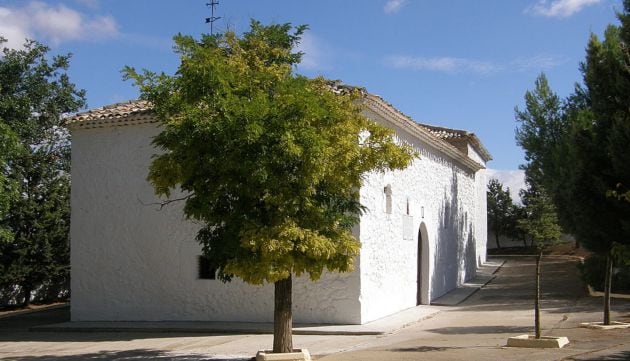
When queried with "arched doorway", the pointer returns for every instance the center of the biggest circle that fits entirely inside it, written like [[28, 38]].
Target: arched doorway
[[422, 284]]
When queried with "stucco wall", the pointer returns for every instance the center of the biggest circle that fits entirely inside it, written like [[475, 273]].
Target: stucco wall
[[445, 198], [481, 225], [132, 260], [474, 155]]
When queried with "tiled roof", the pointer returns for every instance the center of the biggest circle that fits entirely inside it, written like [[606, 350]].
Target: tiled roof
[[459, 138], [455, 137], [446, 133], [140, 111], [131, 112]]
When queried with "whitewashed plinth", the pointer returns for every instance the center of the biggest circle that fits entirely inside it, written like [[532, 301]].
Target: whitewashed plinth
[[533, 342], [600, 325], [296, 355]]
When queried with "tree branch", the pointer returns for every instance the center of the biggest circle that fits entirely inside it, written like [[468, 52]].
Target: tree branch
[[165, 202]]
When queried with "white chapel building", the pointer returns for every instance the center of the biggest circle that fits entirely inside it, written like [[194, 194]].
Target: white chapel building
[[423, 235]]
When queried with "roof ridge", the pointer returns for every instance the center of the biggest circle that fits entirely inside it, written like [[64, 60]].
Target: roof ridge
[[139, 111], [122, 113]]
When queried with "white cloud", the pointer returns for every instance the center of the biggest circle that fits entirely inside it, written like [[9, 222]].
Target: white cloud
[[538, 62], [54, 24], [559, 8], [316, 53], [442, 64], [461, 65], [12, 32], [513, 179], [393, 6]]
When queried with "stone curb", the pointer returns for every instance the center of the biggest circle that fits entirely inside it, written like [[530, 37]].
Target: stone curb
[[593, 293], [33, 310], [557, 256], [73, 327], [600, 325], [530, 341], [386, 325]]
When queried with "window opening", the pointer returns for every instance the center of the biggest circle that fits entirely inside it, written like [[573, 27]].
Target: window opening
[[388, 199], [205, 270]]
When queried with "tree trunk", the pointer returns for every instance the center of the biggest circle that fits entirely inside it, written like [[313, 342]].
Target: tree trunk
[[537, 299], [607, 288], [282, 317], [496, 237], [26, 291]]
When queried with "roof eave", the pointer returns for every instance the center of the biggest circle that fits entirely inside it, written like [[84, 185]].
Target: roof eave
[[388, 112]]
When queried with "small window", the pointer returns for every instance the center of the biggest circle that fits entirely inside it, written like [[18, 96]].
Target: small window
[[407, 205], [205, 270], [388, 199]]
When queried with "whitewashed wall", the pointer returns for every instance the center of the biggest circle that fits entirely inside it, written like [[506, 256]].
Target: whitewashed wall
[[133, 261], [481, 225], [450, 197]]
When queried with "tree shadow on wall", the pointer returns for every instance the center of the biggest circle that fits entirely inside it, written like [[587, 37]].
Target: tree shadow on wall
[[455, 249]]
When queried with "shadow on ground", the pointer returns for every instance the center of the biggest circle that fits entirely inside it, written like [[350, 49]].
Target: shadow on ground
[[422, 349], [561, 287], [620, 356], [15, 328], [480, 330], [141, 354]]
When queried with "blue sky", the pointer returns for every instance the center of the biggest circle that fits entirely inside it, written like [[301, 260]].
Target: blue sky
[[458, 63]]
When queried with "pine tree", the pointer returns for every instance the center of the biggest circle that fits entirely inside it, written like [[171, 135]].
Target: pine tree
[[601, 148]]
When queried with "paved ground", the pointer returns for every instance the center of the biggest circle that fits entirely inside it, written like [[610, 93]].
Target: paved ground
[[476, 329]]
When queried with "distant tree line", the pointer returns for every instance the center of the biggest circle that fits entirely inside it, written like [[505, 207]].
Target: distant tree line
[[504, 215]]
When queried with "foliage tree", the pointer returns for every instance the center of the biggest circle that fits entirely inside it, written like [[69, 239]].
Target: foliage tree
[[543, 133], [500, 210], [579, 151], [541, 224], [269, 161], [8, 188], [515, 231], [601, 147], [35, 93]]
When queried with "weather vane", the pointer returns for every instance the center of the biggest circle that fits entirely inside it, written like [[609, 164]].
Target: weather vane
[[212, 18]]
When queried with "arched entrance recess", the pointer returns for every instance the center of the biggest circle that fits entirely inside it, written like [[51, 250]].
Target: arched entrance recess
[[422, 292]]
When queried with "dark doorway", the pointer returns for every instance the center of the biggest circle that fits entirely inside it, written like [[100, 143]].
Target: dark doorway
[[419, 270], [423, 271]]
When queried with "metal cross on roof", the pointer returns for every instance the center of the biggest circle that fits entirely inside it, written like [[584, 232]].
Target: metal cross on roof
[[212, 18]]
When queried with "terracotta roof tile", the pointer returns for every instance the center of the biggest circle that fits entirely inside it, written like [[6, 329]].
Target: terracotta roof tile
[[139, 111], [133, 111]]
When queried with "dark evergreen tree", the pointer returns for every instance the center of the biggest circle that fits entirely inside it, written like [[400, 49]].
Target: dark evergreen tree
[[543, 133], [35, 93], [500, 210], [602, 149]]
